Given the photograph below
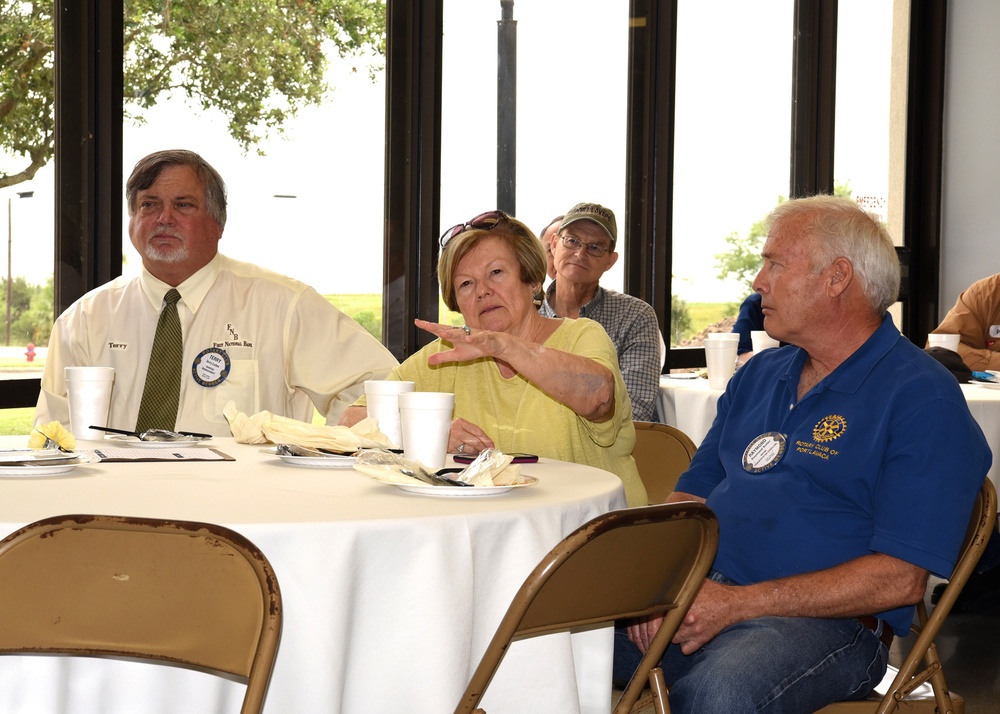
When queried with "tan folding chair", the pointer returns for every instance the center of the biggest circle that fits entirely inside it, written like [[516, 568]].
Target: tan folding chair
[[195, 594], [628, 563], [661, 453], [922, 664]]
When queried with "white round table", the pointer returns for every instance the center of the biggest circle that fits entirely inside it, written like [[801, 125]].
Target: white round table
[[984, 404], [390, 598], [688, 404]]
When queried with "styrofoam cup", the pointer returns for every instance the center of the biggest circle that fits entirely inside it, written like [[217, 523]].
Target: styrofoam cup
[[762, 341], [382, 396], [948, 341], [720, 357], [89, 391], [425, 418]]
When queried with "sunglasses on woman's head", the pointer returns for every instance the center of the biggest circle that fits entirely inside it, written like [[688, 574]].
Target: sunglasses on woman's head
[[484, 222]]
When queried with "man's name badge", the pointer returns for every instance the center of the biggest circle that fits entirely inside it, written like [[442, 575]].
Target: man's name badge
[[764, 452], [211, 367]]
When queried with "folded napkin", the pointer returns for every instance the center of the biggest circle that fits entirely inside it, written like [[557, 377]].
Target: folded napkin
[[52, 436], [264, 427]]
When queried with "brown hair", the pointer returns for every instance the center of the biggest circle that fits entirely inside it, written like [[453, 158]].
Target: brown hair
[[526, 247], [149, 168]]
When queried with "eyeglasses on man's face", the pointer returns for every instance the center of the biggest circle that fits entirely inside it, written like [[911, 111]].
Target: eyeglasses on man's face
[[595, 250], [484, 221]]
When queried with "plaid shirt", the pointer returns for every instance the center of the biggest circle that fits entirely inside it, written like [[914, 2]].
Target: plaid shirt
[[631, 325]]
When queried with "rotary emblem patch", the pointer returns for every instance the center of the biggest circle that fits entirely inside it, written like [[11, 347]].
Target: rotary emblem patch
[[829, 428]]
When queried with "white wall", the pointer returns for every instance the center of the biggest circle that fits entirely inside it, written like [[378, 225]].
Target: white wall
[[970, 211]]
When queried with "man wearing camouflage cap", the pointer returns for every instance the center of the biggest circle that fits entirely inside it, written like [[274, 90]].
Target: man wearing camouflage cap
[[583, 250]]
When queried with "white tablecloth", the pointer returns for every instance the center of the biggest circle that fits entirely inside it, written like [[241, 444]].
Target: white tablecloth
[[690, 404], [984, 403], [389, 598]]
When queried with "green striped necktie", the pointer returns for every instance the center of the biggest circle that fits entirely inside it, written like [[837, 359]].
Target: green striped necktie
[[158, 409]]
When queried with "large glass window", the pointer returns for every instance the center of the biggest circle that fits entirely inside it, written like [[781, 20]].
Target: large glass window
[[26, 191], [571, 95], [27, 265], [731, 155], [861, 156], [306, 202], [731, 134], [865, 143]]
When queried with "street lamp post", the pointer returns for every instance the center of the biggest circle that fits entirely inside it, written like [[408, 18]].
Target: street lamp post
[[10, 241]]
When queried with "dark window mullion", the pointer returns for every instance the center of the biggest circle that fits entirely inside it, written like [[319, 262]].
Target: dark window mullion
[[412, 171], [922, 192], [814, 100], [649, 153], [88, 152]]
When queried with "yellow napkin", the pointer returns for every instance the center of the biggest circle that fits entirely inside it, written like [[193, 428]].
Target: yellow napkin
[[264, 427], [52, 435]]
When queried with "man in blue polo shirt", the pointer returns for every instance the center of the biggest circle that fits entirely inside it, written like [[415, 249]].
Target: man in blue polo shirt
[[842, 468]]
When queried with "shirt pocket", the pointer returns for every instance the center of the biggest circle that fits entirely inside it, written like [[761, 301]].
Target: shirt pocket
[[241, 387]]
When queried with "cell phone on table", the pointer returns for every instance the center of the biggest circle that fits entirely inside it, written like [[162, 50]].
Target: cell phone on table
[[518, 458]]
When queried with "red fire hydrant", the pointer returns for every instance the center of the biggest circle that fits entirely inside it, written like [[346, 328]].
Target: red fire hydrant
[[30, 352]]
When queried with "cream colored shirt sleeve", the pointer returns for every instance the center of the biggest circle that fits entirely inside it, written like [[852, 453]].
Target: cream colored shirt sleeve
[[289, 350]]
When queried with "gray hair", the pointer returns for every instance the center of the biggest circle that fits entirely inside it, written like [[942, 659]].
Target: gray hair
[[841, 228], [557, 219], [149, 168]]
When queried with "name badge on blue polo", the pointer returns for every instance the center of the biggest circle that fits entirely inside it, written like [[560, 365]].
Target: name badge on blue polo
[[764, 452], [211, 367]]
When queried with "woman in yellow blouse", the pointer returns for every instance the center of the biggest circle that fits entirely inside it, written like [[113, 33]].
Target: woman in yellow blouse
[[522, 382]]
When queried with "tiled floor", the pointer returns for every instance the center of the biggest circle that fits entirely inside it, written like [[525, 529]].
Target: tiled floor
[[969, 647]]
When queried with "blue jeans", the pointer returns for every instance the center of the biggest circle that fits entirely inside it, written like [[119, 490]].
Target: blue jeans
[[769, 664]]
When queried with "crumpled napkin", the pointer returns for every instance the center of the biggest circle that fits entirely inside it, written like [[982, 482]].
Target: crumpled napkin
[[264, 427], [491, 468], [385, 466]]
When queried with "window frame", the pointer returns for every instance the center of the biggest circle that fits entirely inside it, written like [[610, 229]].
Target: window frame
[[88, 241]]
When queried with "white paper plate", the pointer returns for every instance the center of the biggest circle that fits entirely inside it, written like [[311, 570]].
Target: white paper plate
[[426, 489], [987, 385], [136, 442], [46, 469], [318, 462], [7, 455]]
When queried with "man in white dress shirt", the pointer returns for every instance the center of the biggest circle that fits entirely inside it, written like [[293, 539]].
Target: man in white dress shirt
[[260, 339]]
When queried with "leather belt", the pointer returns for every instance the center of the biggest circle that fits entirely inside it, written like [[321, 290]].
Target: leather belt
[[871, 622]]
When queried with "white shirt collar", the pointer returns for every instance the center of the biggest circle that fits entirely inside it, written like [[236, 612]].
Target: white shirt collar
[[192, 290]]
